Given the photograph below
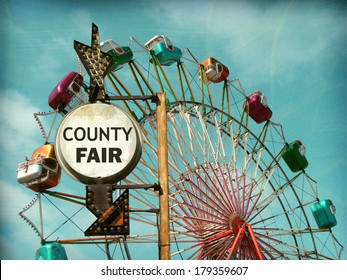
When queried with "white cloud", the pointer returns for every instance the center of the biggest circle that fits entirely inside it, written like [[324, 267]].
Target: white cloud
[[18, 126]]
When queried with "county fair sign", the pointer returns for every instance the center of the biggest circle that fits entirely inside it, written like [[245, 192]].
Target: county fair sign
[[98, 143]]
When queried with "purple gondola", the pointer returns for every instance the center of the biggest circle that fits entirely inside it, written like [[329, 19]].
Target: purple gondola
[[258, 109], [68, 89]]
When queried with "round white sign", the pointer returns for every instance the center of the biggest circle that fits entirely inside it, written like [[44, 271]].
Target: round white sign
[[98, 143]]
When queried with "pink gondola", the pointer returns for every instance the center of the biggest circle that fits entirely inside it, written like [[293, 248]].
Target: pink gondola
[[258, 109], [68, 88]]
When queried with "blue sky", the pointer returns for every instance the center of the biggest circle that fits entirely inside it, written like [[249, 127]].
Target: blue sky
[[294, 51]]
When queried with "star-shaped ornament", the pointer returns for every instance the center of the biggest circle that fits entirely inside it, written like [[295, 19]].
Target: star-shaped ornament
[[96, 63]]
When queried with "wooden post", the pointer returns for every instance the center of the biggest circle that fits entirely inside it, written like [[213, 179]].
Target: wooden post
[[164, 225]]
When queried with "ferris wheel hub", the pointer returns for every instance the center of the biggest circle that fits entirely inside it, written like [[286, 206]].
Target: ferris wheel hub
[[236, 221]]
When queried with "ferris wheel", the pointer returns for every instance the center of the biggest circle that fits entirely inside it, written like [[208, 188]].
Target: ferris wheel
[[237, 188]]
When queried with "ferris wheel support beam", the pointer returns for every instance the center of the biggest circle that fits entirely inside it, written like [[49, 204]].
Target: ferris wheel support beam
[[164, 227]]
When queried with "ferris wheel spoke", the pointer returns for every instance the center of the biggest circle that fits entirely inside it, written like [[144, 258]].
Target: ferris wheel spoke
[[189, 148], [146, 169], [216, 249], [143, 220], [151, 156], [214, 180], [279, 214], [221, 153], [202, 209], [183, 149], [215, 244], [142, 199], [197, 221], [245, 153], [226, 184], [209, 191], [194, 139], [180, 252], [249, 196], [279, 246], [296, 250], [232, 176], [183, 243], [181, 214], [206, 137], [173, 162], [195, 212], [259, 201], [269, 250], [186, 226]]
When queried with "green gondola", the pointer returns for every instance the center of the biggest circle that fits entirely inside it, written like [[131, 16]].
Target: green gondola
[[120, 55], [294, 155]]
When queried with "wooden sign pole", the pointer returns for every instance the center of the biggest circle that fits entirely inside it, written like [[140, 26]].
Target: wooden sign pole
[[164, 227]]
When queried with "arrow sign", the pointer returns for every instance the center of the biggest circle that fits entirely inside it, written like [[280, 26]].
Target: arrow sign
[[113, 218], [96, 63]]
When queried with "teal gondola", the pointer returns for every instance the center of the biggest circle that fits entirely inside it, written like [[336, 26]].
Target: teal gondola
[[324, 213], [51, 251], [161, 47]]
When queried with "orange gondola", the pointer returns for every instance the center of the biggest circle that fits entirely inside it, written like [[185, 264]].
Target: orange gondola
[[215, 71], [42, 171]]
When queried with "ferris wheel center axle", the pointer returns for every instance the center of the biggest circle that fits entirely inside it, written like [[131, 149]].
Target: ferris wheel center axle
[[236, 224]]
